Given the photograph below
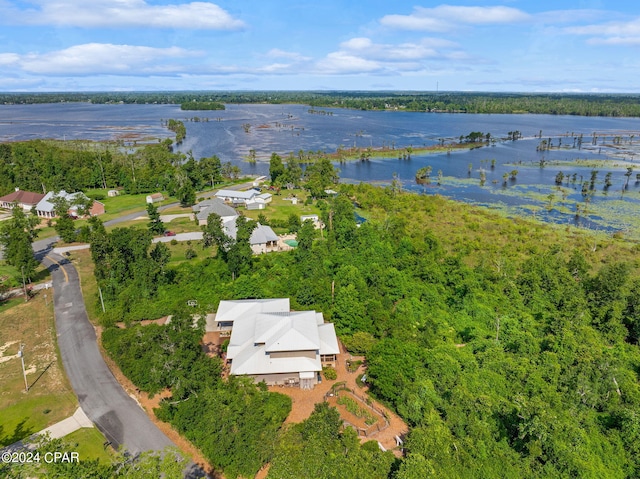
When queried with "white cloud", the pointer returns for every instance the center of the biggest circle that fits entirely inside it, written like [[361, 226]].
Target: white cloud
[[7, 59], [344, 63], [425, 48], [610, 33], [277, 53], [446, 17], [630, 28], [362, 55], [102, 58], [123, 13], [615, 41]]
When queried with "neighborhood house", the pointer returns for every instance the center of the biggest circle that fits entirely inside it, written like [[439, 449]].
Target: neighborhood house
[[236, 197], [203, 209], [271, 343], [25, 199], [263, 239], [46, 208]]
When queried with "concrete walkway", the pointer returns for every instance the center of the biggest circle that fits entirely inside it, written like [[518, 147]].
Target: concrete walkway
[[69, 425], [19, 291]]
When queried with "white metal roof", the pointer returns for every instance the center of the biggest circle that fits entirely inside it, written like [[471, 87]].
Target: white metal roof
[[243, 195], [258, 333], [230, 310]]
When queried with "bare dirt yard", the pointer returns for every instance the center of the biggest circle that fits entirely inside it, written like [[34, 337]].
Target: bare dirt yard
[[303, 402], [50, 398]]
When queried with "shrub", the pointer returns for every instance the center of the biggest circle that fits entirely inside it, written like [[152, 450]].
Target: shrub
[[329, 373], [190, 253], [174, 242]]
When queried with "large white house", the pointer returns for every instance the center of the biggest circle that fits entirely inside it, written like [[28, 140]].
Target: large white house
[[270, 343]]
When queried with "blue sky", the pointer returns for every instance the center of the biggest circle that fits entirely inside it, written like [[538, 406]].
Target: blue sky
[[508, 45]]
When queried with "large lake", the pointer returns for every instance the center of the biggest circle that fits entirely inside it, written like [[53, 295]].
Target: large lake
[[231, 133]]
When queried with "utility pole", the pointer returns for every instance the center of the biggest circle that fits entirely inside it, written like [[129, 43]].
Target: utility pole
[[101, 299], [24, 372]]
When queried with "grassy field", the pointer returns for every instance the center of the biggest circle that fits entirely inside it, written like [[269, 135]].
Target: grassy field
[[88, 443], [50, 398], [82, 261], [12, 277], [280, 209]]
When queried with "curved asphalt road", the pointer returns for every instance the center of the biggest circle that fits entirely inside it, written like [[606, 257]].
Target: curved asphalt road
[[114, 413], [101, 397]]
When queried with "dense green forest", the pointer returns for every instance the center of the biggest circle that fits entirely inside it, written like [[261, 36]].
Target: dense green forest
[[508, 347], [624, 105], [202, 105], [41, 165]]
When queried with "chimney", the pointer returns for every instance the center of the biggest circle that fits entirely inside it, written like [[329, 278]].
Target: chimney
[[17, 188]]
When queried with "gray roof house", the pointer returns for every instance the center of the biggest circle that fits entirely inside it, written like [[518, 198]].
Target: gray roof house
[[203, 209], [263, 239], [275, 346]]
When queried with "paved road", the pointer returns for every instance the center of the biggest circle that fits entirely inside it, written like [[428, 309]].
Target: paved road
[[101, 397]]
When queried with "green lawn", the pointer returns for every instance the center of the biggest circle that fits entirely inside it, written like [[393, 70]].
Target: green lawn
[[89, 444], [280, 209], [13, 277]]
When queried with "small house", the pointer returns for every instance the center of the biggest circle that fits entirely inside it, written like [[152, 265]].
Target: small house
[[46, 208], [112, 193], [155, 198]]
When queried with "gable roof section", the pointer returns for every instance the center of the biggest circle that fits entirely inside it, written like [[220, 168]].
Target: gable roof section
[[328, 339], [262, 234], [214, 205], [22, 197], [256, 336], [45, 203], [294, 331], [230, 310]]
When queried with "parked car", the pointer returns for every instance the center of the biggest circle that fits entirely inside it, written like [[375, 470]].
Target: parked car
[[169, 233]]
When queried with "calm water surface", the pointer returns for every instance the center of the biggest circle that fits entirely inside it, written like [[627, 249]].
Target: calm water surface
[[290, 128]]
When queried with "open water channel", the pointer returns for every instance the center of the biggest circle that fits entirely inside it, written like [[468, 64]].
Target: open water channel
[[231, 133]]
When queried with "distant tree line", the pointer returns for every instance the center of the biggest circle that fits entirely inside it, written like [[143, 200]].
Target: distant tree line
[[613, 105], [40, 165], [202, 105]]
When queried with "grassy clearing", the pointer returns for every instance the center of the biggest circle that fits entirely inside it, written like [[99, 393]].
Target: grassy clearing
[[116, 205], [81, 259], [88, 443], [12, 276], [280, 209], [50, 398]]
